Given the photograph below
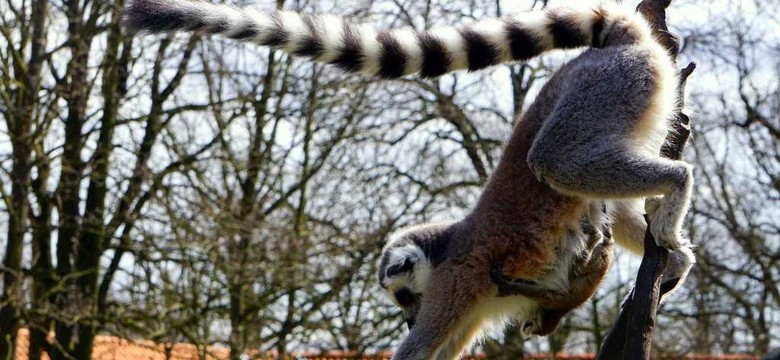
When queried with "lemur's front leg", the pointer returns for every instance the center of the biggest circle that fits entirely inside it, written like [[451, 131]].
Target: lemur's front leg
[[584, 279]]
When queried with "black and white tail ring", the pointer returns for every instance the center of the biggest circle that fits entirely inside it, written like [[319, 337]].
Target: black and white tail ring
[[389, 53]]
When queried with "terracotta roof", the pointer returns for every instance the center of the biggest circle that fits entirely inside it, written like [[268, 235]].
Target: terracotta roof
[[114, 348]]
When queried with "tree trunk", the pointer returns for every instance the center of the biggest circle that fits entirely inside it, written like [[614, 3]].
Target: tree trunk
[[247, 210], [74, 340], [19, 124], [10, 300], [42, 268]]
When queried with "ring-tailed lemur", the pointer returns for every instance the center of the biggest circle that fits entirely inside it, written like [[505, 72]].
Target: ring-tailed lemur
[[590, 140]]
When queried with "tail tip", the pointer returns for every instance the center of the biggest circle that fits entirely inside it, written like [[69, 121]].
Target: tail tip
[[133, 15], [151, 16]]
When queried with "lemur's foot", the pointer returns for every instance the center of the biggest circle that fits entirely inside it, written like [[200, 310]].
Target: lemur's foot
[[677, 267], [666, 229]]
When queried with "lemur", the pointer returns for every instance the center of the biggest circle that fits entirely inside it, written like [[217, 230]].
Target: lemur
[[581, 161]]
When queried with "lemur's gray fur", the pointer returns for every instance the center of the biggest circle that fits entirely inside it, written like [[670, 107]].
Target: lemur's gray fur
[[590, 140]]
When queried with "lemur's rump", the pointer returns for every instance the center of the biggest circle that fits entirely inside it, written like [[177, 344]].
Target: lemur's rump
[[389, 53]]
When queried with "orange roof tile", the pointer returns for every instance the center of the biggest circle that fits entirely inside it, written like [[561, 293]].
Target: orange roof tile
[[114, 348]]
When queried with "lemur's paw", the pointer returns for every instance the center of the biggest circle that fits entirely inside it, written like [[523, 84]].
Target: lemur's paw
[[677, 267], [652, 204], [666, 231], [680, 261]]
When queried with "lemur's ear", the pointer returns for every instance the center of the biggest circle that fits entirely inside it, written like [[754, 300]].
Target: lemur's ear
[[405, 265]]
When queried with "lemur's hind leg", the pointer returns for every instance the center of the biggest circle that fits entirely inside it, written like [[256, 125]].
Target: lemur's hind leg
[[604, 167], [628, 230]]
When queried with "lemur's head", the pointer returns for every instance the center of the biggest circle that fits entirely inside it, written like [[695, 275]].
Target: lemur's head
[[447, 304], [407, 262]]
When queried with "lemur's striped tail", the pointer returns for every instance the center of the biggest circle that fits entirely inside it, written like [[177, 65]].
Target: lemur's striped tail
[[389, 53]]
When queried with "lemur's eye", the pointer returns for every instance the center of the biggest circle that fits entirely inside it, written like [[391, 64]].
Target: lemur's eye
[[405, 266], [404, 297]]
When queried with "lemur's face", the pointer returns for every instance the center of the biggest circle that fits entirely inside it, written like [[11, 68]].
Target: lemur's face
[[404, 271]]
